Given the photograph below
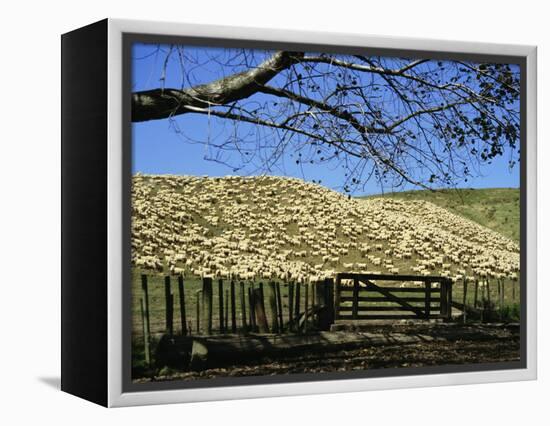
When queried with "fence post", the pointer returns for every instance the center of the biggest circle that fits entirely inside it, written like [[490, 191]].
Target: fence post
[[329, 298], [207, 304], [183, 318], [337, 297], [488, 293], [145, 289], [233, 309], [226, 319], [243, 305], [325, 304], [169, 306], [279, 306], [290, 305], [428, 296], [449, 299], [476, 289], [306, 305], [273, 307], [259, 310], [198, 295], [355, 303], [220, 303], [464, 297], [252, 305], [145, 335], [297, 306]]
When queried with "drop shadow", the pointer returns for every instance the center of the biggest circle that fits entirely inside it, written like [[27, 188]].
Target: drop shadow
[[53, 382]]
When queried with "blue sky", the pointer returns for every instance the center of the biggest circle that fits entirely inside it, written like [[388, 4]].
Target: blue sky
[[167, 147]]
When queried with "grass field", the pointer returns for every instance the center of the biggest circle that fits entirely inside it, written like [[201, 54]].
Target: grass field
[[494, 208]]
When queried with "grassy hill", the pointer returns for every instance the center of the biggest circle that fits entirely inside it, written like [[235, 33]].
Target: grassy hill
[[495, 208]]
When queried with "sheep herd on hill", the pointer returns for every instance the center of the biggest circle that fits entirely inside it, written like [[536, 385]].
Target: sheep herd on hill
[[253, 228]]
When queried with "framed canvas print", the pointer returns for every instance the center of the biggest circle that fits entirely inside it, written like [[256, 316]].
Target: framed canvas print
[[251, 212]]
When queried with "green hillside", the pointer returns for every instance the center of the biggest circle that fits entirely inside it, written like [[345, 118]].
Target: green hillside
[[495, 208]]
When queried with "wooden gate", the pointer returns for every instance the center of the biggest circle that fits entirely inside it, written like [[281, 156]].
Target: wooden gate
[[367, 297]]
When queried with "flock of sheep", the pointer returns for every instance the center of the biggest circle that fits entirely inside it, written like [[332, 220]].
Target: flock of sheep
[[253, 228]]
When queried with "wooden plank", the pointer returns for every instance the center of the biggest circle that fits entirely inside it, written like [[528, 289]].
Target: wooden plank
[[384, 299], [385, 277], [396, 299], [207, 304], [384, 317], [169, 309], [382, 308], [392, 289], [183, 317], [464, 297], [233, 308]]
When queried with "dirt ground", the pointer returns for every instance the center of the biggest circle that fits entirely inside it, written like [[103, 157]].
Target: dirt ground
[[460, 345]]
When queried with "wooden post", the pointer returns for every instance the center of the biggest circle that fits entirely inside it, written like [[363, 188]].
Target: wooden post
[[198, 299], [337, 284], [207, 304], [145, 290], [306, 297], [243, 306], [325, 304], [355, 303], [226, 319], [183, 319], [313, 297], [169, 317], [488, 293], [329, 299], [273, 307], [476, 289], [220, 303], [464, 298], [514, 291], [499, 298], [259, 309], [146, 349], [427, 300], [233, 309], [297, 302], [290, 306], [449, 299], [279, 306], [252, 304]]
